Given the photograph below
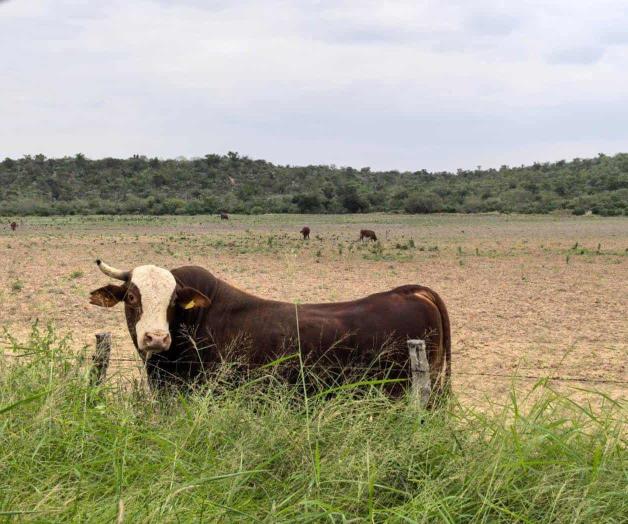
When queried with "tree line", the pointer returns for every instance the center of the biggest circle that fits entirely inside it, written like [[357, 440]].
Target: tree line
[[36, 185]]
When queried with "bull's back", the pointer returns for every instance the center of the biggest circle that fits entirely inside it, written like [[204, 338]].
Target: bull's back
[[404, 312]]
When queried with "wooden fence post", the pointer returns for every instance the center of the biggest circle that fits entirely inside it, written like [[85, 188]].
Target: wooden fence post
[[100, 359], [420, 367]]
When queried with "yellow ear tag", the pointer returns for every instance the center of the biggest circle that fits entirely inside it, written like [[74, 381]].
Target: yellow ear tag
[[189, 305]]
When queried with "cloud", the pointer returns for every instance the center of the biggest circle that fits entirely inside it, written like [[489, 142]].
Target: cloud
[[399, 84], [577, 55], [492, 23]]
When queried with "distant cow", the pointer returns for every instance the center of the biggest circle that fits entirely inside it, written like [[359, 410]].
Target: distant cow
[[186, 322], [13, 226], [224, 216], [368, 234], [305, 232]]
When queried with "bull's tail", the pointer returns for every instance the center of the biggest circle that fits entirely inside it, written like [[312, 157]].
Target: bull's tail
[[445, 336], [446, 339]]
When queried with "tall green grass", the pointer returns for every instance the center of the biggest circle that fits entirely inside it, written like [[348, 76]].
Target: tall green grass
[[72, 453]]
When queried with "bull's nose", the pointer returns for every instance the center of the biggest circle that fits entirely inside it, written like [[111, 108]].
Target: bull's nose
[[157, 340]]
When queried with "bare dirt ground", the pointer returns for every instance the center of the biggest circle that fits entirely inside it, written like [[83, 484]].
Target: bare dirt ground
[[527, 295]]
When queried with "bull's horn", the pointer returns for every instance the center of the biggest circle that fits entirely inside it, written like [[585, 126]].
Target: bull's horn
[[112, 271]]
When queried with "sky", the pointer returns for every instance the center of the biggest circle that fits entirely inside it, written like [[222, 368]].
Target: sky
[[406, 85]]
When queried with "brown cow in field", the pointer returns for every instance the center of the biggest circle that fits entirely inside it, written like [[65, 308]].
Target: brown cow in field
[[13, 226], [368, 234], [224, 216], [305, 232], [186, 322]]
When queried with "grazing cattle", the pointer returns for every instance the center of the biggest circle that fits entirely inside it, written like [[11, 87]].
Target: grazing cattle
[[224, 216], [186, 322], [368, 234], [305, 232], [13, 226]]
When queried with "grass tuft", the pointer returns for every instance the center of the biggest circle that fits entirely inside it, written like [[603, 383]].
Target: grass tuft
[[255, 453]]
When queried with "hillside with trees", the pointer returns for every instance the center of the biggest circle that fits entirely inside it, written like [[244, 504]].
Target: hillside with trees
[[36, 185]]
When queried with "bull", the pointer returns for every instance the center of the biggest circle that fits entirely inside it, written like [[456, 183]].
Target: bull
[[186, 322], [368, 234]]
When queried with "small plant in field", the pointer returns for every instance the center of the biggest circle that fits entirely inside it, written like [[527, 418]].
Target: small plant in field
[[567, 258], [76, 274], [460, 250], [17, 286], [599, 248], [340, 249], [575, 246], [404, 247]]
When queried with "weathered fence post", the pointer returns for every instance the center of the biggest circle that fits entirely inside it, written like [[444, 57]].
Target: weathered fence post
[[420, 367], [100, 359]]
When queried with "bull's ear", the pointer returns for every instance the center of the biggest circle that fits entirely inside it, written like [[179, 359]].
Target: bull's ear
[[190, 298], [107, 296]]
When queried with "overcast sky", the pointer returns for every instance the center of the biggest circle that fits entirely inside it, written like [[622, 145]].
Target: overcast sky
[[389, 84]]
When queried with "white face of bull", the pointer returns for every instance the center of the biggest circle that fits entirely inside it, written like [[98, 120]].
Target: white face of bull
[[150, 294], [156, 287]]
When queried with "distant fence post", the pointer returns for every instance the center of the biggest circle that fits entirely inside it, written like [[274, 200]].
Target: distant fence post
[[420, 367], [100, 359]]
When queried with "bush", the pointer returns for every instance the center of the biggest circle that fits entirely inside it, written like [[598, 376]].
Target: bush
[[308, 202], [422, 203], [353, 201]]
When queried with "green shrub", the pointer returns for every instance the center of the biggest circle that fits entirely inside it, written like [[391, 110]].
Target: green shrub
[[423, 203]]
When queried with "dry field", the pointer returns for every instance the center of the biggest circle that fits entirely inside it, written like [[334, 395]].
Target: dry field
[[527, 295]]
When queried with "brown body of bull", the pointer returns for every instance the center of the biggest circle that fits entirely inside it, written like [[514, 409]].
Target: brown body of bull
[[13, 226], [305, 232], [224, 216], [331, 338], [368, 234]]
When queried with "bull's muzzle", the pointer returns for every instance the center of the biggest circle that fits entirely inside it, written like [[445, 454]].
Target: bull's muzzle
[[156, 341]]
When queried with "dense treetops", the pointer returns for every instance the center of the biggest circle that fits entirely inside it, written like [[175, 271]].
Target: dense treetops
[[36, 185]]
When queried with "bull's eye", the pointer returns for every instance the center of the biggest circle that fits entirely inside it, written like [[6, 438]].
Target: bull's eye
[[131, 299]]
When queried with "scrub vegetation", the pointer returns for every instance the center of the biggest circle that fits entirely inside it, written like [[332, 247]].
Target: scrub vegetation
[[36, 185], [263, 452]]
